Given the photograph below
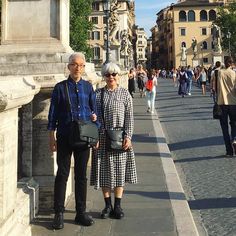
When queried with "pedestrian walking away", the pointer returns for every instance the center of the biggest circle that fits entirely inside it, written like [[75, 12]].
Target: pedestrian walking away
[[110, 170], [174, 76], [226, 98], [131, 82], [190, 75], [182, 82], [202, 77], [83, 107]]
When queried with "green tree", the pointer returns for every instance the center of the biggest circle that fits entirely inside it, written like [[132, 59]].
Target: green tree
[[80, 26], [226, 20]]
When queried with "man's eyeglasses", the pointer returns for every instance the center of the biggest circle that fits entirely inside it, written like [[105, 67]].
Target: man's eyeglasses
[[77, 65], [113, 74]]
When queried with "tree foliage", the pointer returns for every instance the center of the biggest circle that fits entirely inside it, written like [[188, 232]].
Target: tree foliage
[[80, 26], [226, 19]]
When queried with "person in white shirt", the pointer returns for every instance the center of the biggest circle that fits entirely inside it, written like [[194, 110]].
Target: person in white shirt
[[150, 85]]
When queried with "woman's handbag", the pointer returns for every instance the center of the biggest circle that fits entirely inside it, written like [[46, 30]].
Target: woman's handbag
[[82, 134], [114, 140], [217, 111], [114, 137]]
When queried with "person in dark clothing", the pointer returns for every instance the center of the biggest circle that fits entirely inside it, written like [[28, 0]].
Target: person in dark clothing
[[182, 82], [83, 106], [131, 82]]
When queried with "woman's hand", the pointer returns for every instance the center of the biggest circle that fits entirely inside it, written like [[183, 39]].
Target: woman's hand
[[127, 143], [96, 146]]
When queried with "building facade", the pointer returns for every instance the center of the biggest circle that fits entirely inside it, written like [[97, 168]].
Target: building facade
[[141, 46], [185, 34]]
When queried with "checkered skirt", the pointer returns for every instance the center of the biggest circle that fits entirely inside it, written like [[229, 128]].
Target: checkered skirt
[[113, 169]]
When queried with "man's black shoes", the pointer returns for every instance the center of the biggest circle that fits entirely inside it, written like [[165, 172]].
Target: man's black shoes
[[84, 219], [107, 212], [58, 222]]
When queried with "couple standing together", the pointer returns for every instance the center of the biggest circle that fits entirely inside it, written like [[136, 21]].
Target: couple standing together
[[110, 170]]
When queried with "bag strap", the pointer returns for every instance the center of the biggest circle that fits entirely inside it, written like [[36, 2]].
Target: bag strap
[[216, 82], [68, 102], [102, 105]]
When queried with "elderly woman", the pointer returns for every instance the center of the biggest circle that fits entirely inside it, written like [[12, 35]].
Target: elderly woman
[[112, 169]]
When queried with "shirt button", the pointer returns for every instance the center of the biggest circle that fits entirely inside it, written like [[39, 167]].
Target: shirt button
[[78, 106]]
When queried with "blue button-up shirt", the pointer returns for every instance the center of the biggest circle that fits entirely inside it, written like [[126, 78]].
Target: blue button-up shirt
[[83, 104]]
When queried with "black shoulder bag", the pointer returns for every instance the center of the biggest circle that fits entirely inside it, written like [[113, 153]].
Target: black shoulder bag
[[82, 134], [217, 111], [114, 137]]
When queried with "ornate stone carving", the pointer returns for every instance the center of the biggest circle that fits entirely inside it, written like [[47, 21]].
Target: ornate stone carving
[[114, 22], [216, 38]]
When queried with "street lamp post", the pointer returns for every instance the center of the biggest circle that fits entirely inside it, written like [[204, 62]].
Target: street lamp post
[[107, 9], [201, 47], [229, 37]]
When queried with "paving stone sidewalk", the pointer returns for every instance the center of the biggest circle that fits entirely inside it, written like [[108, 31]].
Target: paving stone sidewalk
[[147, 205]]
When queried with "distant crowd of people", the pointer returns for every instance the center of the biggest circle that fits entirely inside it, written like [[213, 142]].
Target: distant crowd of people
[[219, 79]]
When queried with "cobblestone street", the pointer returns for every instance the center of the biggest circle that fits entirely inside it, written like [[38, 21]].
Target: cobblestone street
[[196, 143]]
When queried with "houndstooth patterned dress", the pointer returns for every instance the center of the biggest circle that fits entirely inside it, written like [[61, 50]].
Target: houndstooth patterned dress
[[114, 169]]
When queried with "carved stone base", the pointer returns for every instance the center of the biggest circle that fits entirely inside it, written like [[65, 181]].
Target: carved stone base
[[217, 57]]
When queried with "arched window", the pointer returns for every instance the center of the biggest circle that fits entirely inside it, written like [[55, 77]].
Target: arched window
[[212, 15], [204, 45], [96, 53], [203, 15], [183, 44], [182, 16], [191, 15]]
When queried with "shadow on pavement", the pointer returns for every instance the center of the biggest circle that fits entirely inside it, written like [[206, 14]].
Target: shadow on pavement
[[200, 159], [159, 195], [209, 141], [212, 203]]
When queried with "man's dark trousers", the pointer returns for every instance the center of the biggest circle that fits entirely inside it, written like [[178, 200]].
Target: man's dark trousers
[[64, 152], [228, 113]]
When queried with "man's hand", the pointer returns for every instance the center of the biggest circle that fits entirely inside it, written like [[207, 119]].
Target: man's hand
[[93, 117], [52, 142]]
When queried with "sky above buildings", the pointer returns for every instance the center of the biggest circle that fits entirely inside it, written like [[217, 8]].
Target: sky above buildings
[[146, 11]]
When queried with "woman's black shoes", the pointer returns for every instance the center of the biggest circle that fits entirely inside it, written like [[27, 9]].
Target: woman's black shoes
[[107, 212], [118, 212]]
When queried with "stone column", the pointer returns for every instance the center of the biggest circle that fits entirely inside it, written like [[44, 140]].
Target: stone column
[[11, 99]]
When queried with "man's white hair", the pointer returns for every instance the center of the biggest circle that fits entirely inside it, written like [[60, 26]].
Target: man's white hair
[[75, 55]]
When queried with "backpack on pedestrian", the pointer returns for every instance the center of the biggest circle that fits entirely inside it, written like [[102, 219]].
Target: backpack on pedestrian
[[149, 84], [182, 76]]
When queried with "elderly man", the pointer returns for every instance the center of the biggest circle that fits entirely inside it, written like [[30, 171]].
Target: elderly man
[[83, 107]]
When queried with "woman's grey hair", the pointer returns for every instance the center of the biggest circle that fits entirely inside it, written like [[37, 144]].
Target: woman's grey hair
[[110, 68], [75, 55]]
